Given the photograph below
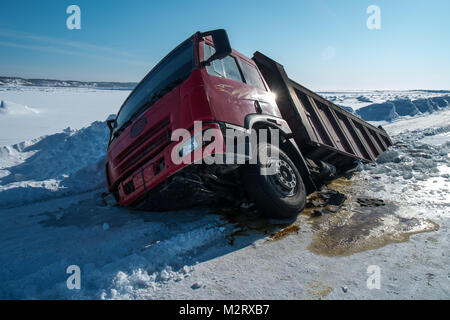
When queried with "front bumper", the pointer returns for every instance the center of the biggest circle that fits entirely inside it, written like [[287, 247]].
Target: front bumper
[[164, 165]]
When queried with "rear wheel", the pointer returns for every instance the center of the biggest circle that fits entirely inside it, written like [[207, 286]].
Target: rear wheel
[[280, 193]]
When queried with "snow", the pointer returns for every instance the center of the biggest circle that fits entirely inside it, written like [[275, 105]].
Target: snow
[[359, 99], [11, 108], [52, 216], [14, 82], [49, 166], [36, 111], [434, 121], [403, 107], [390, 105]]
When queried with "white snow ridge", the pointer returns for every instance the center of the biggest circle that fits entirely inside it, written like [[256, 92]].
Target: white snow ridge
[[67, 162], [11, 108]]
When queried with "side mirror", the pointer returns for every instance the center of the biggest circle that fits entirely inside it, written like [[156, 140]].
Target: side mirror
[[111, 124], [221, 44]]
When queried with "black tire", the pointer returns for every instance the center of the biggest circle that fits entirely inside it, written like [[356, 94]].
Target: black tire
[[275, 200]]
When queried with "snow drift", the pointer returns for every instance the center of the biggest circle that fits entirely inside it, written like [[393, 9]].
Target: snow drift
[[52, 165], [393, 109], [11, 108]]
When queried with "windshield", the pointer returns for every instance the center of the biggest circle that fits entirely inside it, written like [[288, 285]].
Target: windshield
[[171, 71]]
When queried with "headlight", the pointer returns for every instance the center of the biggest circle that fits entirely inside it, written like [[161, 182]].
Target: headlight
[[188, 146]]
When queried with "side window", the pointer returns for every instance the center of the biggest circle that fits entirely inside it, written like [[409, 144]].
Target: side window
[[231, 69], [216, 67], [226, 67], [252, 76]]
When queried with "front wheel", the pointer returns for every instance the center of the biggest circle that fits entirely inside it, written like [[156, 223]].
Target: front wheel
[[280, 193]]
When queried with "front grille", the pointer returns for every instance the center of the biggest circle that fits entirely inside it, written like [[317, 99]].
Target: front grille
[[147, 146], [165, 124], [159, 144]]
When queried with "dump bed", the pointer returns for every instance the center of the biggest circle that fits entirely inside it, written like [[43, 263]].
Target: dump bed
[[322, 130]]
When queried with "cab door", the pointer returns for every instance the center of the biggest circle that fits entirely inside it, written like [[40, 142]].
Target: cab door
[[231, 95], [263, 99]]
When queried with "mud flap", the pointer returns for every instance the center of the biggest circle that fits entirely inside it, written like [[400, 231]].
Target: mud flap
[[292, 150]]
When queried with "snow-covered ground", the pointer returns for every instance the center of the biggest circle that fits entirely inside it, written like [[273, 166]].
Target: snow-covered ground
[[52, 216], [31, 112], [391, 105], [359, 99]]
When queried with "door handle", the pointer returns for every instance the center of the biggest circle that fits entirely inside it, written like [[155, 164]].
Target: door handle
[[258, 107]]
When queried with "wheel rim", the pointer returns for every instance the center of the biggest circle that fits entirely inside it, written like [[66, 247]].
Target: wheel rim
[[284, 178]]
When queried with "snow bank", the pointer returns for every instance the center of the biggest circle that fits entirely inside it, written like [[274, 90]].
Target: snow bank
[[393, 109], [359, 99], [66, 162]]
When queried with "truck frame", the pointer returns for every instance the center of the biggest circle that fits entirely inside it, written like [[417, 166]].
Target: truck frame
[[203, 86]]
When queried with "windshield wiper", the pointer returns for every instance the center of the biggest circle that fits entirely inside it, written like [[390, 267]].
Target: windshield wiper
[[155, 97]]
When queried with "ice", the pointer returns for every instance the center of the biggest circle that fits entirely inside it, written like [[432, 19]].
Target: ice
[[51, 216], [438, 140], [37, 111], [390, 156]]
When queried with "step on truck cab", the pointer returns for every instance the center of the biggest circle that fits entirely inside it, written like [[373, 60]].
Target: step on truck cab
[[208, 124]]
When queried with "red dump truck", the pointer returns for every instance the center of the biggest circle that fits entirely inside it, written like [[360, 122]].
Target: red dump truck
[[205, 86]]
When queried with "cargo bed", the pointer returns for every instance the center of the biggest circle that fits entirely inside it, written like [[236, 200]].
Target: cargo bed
[[322, 130]]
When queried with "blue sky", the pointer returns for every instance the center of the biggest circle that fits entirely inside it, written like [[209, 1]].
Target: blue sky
[[324, 44]]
